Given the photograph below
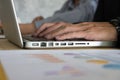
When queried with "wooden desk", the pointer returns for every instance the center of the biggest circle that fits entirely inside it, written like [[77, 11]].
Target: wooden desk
[[6, 45]]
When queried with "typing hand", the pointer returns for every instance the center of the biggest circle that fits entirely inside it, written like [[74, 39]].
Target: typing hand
[[49, 30], [102, 31], [87, 30], [52, 30]]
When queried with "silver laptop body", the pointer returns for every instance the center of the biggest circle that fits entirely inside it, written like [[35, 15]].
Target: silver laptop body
[[12, 32]]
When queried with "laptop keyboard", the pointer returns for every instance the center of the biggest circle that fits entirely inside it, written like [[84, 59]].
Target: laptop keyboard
[[29, 37]]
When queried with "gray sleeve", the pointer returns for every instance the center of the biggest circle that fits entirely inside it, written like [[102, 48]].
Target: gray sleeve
[[64, 8], [84, 12]]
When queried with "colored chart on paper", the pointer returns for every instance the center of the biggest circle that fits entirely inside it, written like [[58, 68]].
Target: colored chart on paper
[[61, 64]]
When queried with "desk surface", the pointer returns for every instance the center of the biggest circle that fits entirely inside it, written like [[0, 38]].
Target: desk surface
[[6, 45]]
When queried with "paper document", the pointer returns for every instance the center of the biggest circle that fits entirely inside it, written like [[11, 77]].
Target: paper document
[[61, 64]]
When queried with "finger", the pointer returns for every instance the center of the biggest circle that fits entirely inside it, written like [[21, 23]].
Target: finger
[[54, 33], [52, 29], [66, 29], [42, 28], [86, 25], [80, 34]]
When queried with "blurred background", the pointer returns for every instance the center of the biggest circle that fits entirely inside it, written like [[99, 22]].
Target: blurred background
[[27, 10]]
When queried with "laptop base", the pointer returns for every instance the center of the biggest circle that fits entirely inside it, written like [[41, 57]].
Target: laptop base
[[67, 44]]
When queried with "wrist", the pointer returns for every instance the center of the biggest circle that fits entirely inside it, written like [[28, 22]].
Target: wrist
[[27, 28], [31, 28], [116, 24]]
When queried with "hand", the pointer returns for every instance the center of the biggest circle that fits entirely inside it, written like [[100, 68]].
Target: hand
[[48, 30], [37, 19], [86, 30], [51, 30], [94, 31]]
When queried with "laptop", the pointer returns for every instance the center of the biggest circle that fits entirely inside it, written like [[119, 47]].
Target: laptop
[[13, 34]]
